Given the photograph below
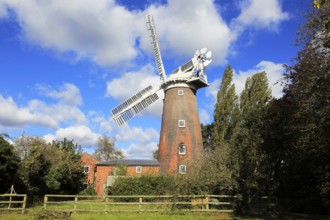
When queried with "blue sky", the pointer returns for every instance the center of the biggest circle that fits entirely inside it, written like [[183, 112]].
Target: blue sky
[[66, 64]]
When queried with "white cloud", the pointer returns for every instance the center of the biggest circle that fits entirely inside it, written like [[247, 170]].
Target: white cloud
[[110, 34], [213, 88], [141, 142], [67, 94], [128, 133], [107, 33], [200, 20], [274, 74], [260, 14], [81, 135], [12, 115], [140, 150], [132, 82], [99, 30], [204, 116], [37, 112]]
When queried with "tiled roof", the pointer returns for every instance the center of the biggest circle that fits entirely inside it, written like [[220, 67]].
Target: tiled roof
[[130, 162]]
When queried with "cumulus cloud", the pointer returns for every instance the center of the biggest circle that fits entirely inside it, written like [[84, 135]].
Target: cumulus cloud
[[12, 115], [110, 34], [37, 112], [107, 33], [213, 88], [81, 135], [274, 74], [67, 94], [204, 116], [260, 14], [141, 151], [100, 30], [142, 142], [200, 20]]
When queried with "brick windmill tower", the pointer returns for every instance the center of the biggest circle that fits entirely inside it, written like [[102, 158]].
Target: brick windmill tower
[[180, 136]]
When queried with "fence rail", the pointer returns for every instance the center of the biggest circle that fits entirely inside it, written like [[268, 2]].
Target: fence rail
[[13, 202], [162, 203]]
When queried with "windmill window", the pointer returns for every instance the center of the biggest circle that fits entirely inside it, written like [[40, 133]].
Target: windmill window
[[138, 169], [180, 92], [86, 169], [182, 149], [182, 169], [182, 123]]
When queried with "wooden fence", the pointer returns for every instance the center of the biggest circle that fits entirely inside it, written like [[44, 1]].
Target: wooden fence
[[13, 202], [163, 203]]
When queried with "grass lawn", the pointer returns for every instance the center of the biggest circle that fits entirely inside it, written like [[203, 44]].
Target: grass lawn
[[123, 216]]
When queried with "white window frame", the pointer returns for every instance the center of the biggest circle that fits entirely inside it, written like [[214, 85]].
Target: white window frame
[[181, 123], [182, 149], [182, 169], [138, 169], [180, 92], [88, 169]]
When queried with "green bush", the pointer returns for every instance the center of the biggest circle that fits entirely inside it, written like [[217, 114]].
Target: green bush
[[144, 185]]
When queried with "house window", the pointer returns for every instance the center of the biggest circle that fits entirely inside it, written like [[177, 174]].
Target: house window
[[182, 169], [180, 92], [85, 185], [182, 149], [86, 169], [138, 169], [182, 123]]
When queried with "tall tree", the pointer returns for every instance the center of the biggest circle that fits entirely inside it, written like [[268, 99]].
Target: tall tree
[[248, 140], [106, 150], [224, 107]]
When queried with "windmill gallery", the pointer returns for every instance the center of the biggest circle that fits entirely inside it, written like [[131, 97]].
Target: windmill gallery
[[180, 135]]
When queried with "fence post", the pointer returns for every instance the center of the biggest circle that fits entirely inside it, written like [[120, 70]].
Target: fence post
[[24, 203], [207, 199], [140, 206], [75, 203], [45, 201], [106, 204]]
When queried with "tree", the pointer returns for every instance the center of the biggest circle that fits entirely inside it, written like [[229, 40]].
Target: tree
[[65, 175], [50, 168], [9, 163], [300, 159], [224, 107], [248, 140], [207, 135], [106, 150]]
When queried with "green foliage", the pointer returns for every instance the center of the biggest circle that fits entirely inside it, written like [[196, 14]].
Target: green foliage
[[248, 139], [144, 185], [90, 191], [49, 168], [297, 132], [224, 107], [9, 163]]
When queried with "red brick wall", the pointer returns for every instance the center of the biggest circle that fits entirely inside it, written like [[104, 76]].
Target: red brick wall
[[89, 160], [179, 107]]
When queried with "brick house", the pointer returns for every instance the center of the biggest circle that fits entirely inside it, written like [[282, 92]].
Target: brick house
[[103, 174], [89, 163]]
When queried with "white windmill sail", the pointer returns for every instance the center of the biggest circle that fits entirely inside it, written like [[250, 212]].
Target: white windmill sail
[[152, 34], [134, 105]]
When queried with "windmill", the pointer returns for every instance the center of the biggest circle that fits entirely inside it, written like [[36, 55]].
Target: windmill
[[180, 137]]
